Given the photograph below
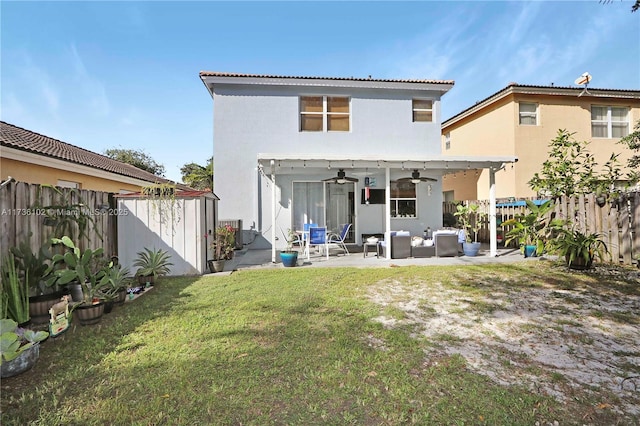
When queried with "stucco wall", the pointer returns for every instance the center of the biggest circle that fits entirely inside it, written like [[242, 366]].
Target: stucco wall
[[32, 173], [494, 130], [263, 119]]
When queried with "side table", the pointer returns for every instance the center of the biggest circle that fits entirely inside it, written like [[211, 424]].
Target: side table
[[366, 248]]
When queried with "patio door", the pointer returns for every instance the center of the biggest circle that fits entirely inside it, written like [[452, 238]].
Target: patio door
[[340, 205], [308, 204]]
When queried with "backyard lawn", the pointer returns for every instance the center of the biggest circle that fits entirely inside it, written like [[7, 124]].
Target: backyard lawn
[[518, 344]]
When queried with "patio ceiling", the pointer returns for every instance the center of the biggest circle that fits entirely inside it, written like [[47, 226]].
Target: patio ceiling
[[285, 164]]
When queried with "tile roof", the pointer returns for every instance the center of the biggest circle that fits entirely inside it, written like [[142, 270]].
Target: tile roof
[[26, 140], [229, 74], [546, 90]]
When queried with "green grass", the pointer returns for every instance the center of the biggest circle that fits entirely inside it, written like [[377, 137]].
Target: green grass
[[285, 346]]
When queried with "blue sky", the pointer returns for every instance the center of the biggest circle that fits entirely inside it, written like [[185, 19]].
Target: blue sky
[[125, 74]]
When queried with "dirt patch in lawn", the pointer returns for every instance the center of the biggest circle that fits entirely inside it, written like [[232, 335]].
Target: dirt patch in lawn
[[576, 340]]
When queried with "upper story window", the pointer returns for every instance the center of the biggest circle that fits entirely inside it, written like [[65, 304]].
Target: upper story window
[[403, 199], [447, 141], [422, 110], [528, 114], [609, 122], [324, 113]]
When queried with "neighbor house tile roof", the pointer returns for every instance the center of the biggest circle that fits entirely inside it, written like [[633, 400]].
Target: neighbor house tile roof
[[26, 140], [229, 74], [544, 90]]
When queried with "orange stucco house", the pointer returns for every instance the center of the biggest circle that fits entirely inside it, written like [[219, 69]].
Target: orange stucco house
[[521, 121]]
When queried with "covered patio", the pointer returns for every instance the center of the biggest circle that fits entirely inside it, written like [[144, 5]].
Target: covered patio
[[280, 170]]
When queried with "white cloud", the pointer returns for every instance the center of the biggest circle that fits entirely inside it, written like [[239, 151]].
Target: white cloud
[[93, 90]]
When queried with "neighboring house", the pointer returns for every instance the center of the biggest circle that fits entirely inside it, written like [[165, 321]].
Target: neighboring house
[[31, 157], [287, 151], [522, 120]]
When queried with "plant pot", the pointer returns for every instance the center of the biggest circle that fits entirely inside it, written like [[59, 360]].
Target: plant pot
[[579, 263], [89, 314], [471, 249], [146, 279], [39, 306], [77, 295], [108, 306], [22, 363], [122, 297], [289, 258], [216, 265], [529, 251]]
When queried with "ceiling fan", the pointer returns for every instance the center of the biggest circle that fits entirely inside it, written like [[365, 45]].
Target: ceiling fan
[[415, 178], [341, 178]]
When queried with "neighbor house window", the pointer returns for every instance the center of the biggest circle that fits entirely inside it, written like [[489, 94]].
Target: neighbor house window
[[68, 184], [324, 113], [528, 114], [447, 141], [609, 122], [403, 199], [422, 110]]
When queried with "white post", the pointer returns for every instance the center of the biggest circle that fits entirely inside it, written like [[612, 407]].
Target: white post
[[387, 212], [273, 211], [493, 247]]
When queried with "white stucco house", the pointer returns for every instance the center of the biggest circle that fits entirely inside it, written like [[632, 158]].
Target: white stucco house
[[293, 150]]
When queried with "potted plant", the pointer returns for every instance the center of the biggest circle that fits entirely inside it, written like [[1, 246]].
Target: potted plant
[[579, 249], [19, 348], [151, 265], [289, 256], [470, 219], [113, 286], [82, 273], [531, 230], [15, 295], [222, 246], [34, 269]]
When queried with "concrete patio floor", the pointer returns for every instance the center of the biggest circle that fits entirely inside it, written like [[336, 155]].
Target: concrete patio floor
[[247, 259]]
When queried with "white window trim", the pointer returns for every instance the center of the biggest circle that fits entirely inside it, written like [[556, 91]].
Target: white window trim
[[609, 121], [394, 202], [522, 114], [325, 113], [431, 110]]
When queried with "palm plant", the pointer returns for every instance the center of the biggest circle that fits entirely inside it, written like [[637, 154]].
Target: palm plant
[[579, 249], [152, 263], [532, 228]]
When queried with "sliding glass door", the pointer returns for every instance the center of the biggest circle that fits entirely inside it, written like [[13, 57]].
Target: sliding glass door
[[327, 204]]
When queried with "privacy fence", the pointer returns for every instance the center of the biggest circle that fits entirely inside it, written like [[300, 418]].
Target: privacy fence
[[617, 220], [35, 213]]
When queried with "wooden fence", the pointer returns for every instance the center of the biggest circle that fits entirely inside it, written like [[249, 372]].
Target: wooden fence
[[618, 221], [35, 213]]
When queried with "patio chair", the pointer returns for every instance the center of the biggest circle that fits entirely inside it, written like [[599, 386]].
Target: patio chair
[[446, 244], [337, 240], [318, 238], [400, 245], [305, 236]]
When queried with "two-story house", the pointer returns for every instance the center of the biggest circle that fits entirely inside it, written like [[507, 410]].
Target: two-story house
[[522, 120], [295, 150]]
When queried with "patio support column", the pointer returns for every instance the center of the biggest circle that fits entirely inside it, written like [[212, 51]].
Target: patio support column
[[493, 246], [387, 212], [273, 211]]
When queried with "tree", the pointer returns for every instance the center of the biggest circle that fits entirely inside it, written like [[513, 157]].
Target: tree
[[569, 169], [634, 8], [137, 158], [632, 141], [197, 176]]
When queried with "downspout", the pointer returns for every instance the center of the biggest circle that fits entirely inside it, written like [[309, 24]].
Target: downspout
[[273, 211], [387, 212], [493, 245]]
